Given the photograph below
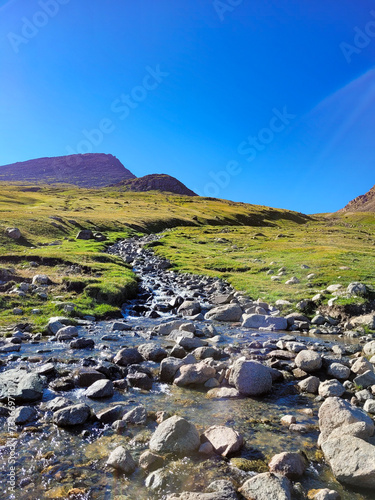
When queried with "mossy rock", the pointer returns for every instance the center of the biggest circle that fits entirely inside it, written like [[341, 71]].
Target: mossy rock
[[249, 465]]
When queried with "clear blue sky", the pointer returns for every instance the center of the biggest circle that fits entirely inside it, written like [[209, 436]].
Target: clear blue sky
[[278, 94]]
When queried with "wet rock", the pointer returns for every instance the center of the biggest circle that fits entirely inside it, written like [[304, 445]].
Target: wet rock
[[152, 352], [140, 380], [110, 415], [67, 333], [352, 460], [72, 415], [309, 361], [250, 378], [170, 365], [82, 344], [262, 321], [150, 461], [122, 460], [100, 389], [22, 386], [223, 439], [24, 414], [336, 412], [225, 313], [291, 465], [190, 343], [84, 377], [331, 388], [194, 374], [223, 393], [46, 369], [266, 486], [128, 356], [189, 308], [136, 416], [62, 384], [175, 435], [310, 385], [57, 403], [287, 420], [119, 326]]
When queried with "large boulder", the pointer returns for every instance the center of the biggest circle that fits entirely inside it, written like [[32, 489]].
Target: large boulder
[[263, 321], [195, 374], [22, 386], [175, 435], [189, 308], [72, 415], [152, 352], [336, 413], [352, 460], [308, 361], [267, 486], [223, 439], [250, 378], [331, 388], [227, 312]]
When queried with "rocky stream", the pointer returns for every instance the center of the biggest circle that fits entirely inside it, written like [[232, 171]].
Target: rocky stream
[[198, 393]]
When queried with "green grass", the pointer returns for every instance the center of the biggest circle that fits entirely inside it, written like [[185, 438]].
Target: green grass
[[257, 236]]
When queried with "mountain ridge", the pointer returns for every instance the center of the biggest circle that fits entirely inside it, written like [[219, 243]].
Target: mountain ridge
[[363, 203], [156, 182]]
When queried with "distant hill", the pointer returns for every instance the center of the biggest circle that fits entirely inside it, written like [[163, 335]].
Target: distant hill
[[363, 203], [88, 170], [156, 182]]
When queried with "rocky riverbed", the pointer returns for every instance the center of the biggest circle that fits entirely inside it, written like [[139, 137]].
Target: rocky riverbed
[[199, 392]]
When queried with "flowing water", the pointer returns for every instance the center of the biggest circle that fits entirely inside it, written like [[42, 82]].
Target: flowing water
[[52, 462]]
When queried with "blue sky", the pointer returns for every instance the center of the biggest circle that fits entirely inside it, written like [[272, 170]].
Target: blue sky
[[266, 102]]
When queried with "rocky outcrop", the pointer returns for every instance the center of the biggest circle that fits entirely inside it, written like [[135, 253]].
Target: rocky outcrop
[[363, 203], [88, 170], [156, 182]]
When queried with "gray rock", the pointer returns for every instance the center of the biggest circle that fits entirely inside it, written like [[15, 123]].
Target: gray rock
[[250, 378], [136, 416], [67, 333], [82, 344], [366, 379], [326, 494], [41, 279], [225, 313], [361, 365], [54, 325], [336, 412], [170, 365], [262, 321], [122, 460], [291, 465], [190, 343], [309, 384], [100, 389], [110, 415], [13, 232], [194, 374], [318, 320], [84, 377], [152, 352], [352, 460], [224, 440], [175, 435], [331, 388], [364, 320], [369, 406], [24, 414], [128, 356], [189, 308], [85, 234], [72, 415], [308, 361], [22, 386], [369, 348], [267, 486], [223, 393], [339, 371], [357, 289]]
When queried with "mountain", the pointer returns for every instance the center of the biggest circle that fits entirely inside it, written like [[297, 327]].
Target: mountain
[[363, 203], [156, 182], [88, 170]]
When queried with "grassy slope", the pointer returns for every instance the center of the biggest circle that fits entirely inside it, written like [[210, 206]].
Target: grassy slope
[[323, 243]]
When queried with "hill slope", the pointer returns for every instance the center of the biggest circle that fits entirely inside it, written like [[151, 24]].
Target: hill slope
[[88, 170], [363, 203], [157, 182]]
